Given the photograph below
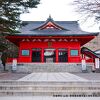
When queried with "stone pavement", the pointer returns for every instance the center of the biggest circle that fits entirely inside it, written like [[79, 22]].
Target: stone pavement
[[46, 77], [49, 77], [89, 76], [16, 76], [11, 76]]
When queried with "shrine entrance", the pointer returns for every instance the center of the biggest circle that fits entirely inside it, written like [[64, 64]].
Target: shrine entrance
[[36, 55], [62, 55], [49, 55]]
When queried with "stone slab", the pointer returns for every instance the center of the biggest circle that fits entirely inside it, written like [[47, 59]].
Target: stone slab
[[50, 77]]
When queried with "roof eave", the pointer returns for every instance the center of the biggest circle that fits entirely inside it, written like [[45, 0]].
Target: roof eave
[[90, 34]]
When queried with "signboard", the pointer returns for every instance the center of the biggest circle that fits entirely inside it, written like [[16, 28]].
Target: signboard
[[14, 65], [83, 64], [97, 63]]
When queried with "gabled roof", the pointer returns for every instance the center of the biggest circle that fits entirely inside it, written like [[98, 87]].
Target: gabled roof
[[60, 28], [88, 52], [50, 24]]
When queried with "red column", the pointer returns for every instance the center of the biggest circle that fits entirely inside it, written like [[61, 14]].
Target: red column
[[30, 55], [68, 54], [56, 55], [42, 55]]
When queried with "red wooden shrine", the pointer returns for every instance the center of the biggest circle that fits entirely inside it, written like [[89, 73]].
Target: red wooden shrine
[[50, 41]]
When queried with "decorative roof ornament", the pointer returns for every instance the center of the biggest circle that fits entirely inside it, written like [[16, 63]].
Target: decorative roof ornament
[[50, 24], [49, 18]]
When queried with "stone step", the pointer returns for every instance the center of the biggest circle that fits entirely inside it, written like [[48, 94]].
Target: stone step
[[49, 67], [34, 83], [41, 93], [48, 89]]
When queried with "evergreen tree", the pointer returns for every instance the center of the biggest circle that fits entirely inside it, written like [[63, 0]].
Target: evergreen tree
[[10, 11]]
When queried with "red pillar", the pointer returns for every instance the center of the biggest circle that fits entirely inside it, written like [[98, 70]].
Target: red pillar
[[83, 56], [68, 54], [42, 55], [56, 55], [30, 55]]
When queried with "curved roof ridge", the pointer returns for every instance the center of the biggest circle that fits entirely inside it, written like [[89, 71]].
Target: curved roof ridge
[[50, 19], [84, 49]]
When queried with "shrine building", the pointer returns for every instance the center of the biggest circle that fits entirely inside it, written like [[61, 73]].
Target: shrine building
[[50, 41]]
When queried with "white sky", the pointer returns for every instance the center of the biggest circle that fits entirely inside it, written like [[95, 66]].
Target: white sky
[[60, 10]]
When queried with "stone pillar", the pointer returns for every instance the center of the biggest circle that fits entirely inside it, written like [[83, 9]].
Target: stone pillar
[[83, 63], [84, 69], [97, 65], [42, 55], [14, 65], [57, 55], [93, 67]]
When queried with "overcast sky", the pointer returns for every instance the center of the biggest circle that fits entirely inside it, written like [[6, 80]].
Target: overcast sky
[[60, 10]]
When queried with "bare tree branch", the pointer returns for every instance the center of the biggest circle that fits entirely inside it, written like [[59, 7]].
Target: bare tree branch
[[89, 8]]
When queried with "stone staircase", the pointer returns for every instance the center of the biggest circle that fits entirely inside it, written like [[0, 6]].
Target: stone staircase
[[49, 67], [53, 89]]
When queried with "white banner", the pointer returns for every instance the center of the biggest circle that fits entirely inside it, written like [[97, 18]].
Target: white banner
[[83, 64], [97, 63], [14, 65]]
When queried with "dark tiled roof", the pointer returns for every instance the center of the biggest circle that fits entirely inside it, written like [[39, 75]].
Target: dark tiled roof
[[97, 52], [70, 28], [88, 52]]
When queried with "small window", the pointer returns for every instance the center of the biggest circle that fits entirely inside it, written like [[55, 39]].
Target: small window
[[25, 52], [74, 52]]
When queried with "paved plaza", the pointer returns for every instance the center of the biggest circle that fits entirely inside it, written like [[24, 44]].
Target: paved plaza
[[89, 76], [49, 77], [16, 76], [11, 76]]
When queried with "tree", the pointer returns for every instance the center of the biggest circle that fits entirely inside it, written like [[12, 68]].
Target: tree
[[88, 8], [10, 11], [3, 59]]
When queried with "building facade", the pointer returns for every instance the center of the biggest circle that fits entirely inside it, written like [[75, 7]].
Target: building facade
[[50, 41]]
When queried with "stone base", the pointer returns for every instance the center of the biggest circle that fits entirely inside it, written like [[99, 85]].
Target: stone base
[[49, 67], [97, 70]]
